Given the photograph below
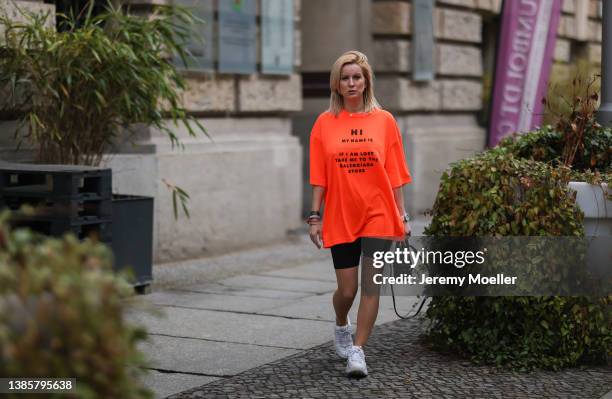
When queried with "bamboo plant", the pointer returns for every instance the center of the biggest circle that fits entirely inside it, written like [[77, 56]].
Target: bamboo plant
[[77, 88]]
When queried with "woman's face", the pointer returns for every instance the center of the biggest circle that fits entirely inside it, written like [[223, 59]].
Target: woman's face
[[352, 82]]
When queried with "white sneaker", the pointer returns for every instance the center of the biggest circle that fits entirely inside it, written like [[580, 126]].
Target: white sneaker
[[343, 340], [356, 365]]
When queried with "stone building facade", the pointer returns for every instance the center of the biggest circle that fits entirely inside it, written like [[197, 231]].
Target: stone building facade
[[244, 180], [248, 181], [442, 120]]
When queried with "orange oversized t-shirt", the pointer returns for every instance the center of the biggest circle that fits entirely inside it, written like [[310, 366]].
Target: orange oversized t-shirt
[[359, 159]]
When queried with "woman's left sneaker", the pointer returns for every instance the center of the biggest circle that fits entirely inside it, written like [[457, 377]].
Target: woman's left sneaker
[[356, 365]]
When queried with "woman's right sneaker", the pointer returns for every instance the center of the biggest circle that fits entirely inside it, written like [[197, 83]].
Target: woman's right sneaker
[[356, 365], [343, 340]]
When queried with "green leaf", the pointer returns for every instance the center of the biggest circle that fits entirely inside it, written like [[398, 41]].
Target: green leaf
[[174, 206]]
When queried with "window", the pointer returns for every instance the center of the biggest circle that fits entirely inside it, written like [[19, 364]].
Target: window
[[78, 7]]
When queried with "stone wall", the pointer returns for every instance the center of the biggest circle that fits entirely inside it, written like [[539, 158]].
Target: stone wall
[[244, 178], [244, 184], [12, 8], [579, 36], [439, 118]]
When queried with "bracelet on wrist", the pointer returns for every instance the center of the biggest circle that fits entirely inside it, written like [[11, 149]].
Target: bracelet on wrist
[[314, 217]]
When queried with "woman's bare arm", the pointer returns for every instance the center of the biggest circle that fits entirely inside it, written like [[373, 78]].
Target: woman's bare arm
[[317, 198], [398, 195], [318, 193]]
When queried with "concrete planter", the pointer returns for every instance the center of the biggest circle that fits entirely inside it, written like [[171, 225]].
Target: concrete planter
[[597, 210]]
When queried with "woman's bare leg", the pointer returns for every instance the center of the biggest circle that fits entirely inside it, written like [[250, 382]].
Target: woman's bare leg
[[368, 303], [345, 293]]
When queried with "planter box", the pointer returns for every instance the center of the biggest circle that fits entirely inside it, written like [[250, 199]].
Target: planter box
[[597, 224], [77, 199], [132, 237], [597, 210]]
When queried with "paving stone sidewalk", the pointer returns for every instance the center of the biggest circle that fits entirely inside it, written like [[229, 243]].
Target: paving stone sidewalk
[[257, 324], [401, 367], [214, 318]]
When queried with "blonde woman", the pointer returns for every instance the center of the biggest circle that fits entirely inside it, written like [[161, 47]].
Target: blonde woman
[[357, 170]]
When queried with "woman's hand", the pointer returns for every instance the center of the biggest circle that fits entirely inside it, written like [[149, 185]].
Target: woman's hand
[[407, 229], [315, 234]]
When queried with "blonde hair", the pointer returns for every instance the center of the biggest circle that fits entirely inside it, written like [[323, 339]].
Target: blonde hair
[[336, 101]]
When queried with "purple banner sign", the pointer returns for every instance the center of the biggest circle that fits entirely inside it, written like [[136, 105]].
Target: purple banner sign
[[527, 43]]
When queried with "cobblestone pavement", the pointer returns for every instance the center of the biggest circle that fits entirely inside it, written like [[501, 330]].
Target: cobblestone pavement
[[400, 367]]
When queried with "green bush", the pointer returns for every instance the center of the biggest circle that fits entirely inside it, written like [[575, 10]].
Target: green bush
[[546, 145], [61, 315], [498, 194]]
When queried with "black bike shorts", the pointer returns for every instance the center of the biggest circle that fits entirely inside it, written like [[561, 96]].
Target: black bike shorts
[[347, 255]]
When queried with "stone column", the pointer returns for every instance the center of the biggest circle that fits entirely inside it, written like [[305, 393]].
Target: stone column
[[604, 115]]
